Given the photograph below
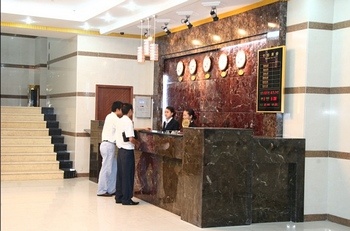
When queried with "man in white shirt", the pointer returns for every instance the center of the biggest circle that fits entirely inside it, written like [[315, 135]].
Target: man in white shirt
[[108, 172], [126, 142]]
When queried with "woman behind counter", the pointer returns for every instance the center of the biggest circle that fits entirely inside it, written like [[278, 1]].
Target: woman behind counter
[[170, 124], [188, 116]]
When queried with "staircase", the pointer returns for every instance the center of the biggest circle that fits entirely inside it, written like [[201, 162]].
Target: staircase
[[27, 151], [57, 140]]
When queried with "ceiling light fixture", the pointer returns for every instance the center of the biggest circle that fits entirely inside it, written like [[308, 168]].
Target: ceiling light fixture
[[146, 40], [213, 14], [131, 6], [28, 20], [86, 26], [153, 48], [187, 22], [165, 28], [140, 52], [107, 17]]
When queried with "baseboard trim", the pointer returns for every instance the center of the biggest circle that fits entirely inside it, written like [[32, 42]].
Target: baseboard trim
[[329, 217], [82, 174], [339, 220]]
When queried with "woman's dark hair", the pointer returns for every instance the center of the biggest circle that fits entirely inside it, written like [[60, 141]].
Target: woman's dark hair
[[191, 113], [172, 110], [126, 108]]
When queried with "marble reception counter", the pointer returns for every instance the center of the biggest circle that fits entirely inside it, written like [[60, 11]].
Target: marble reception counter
[[217, 176], [222, 177]]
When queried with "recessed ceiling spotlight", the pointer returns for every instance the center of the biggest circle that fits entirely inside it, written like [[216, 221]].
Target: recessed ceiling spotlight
[[131, 6], [86, 26], [28, 20], [107, 17]]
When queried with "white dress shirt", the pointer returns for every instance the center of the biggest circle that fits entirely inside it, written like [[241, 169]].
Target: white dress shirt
[[109, 127]]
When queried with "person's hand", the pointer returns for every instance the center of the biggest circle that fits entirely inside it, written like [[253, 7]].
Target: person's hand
[[137, 145]]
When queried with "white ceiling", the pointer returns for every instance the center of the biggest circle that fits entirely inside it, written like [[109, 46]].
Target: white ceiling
[[59, 18]]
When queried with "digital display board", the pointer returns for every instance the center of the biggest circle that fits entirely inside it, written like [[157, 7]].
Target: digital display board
[[270, 80]]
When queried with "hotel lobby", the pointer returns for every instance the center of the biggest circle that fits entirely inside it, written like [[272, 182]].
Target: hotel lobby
[[256, 160]]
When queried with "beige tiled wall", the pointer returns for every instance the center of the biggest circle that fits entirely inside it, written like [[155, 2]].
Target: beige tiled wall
[[317, 64]]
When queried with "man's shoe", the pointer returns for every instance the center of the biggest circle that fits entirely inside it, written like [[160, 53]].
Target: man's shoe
[[131, 203], [118, 201], [105, 195]]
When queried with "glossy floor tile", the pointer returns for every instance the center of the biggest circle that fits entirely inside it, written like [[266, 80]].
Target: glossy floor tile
[[72, 204]]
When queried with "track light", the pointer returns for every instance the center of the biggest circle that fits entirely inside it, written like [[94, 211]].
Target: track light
[[165, 29], [213, 14], [187, 22]]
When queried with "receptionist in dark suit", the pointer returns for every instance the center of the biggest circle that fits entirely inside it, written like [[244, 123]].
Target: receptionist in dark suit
[[170, 124], [188, 118]]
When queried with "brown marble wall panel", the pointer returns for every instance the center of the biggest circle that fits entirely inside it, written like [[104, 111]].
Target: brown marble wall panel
[[218, 100], [233, 93]]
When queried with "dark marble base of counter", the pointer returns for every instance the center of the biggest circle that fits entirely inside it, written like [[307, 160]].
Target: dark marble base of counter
[[232, 178]]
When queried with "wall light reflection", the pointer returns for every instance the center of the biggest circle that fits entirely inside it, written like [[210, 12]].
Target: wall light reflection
[[272, 25], [196, 42], [242, 32], [216, 38]]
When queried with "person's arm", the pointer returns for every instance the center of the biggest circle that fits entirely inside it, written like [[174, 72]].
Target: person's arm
[[135, 142]]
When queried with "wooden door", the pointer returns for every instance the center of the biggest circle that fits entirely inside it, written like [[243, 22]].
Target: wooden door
[[107, 94]]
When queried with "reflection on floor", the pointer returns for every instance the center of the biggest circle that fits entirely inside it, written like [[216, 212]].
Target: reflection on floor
[[72, 204]]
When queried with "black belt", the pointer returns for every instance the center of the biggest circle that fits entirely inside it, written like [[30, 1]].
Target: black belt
[[108, 141]]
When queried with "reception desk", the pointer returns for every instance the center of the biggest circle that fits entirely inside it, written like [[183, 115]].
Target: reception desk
[[217, 176], [222, 177]]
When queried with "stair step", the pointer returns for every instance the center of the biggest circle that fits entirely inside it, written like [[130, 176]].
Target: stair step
[[23, 124], [62, 155], [22, 140], [27, 148], [32, 145], [20, 110], [47, 110], [29, 166], [52, 124], [60, 147], [66, 164], [55, 131], [69, 173], [50, 117], [8, 117], [33, 175], [24, 132], [57, 139], [28, 157]]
